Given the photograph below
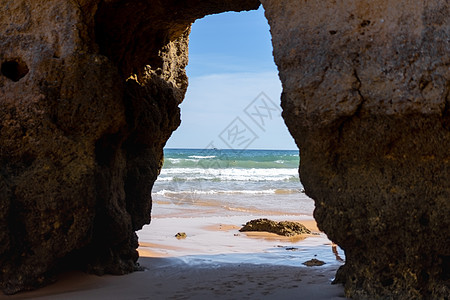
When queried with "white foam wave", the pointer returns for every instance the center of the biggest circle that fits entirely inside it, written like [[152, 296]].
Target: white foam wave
[[174, 160], [180, 160], [231, 174], [200, 156], [220, 192]]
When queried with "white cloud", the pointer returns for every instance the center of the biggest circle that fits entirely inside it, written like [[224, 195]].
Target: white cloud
[[214, 101]]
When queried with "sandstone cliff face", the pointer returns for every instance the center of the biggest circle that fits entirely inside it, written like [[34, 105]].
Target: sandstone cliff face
[[89, 94], [366, 97]]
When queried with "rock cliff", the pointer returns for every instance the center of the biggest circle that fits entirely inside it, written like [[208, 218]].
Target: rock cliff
[[89, 94], [366, 97]]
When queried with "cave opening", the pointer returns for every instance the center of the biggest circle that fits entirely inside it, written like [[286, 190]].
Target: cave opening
[[365, 97], [232, 159]]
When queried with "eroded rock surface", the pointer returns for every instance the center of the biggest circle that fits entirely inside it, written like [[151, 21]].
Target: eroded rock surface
[[366, 97], [89, 94]]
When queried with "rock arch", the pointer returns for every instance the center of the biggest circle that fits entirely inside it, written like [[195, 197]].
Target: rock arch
[[365, 95]]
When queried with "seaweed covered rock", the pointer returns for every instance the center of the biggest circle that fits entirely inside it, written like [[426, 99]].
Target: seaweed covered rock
[[285, 228]]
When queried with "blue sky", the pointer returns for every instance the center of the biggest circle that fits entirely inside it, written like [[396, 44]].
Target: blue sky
[[234, 90]]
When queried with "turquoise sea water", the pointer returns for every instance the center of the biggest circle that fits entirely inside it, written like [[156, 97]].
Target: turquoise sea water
[[233, 181]]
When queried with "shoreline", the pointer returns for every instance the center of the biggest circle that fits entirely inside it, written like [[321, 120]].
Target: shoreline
[[215, 260]]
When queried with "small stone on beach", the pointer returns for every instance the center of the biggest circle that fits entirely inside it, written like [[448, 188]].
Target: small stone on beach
[[291, 249], [181, 235], [314, 263]]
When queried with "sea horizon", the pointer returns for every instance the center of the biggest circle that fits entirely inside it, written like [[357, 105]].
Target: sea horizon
[[230, 149], [233, 182]]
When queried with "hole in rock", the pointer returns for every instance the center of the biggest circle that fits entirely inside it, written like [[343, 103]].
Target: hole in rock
[[232, 160], [14, 69]]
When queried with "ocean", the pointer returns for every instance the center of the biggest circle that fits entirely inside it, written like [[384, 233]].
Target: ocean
[[209, 194], [230, 182]]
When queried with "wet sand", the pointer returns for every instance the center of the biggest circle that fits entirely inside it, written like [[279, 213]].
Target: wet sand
[[170, 278], [214, 261]]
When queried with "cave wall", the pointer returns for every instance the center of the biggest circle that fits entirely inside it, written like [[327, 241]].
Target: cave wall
[[366, 97], [89, 94], [57, 98]]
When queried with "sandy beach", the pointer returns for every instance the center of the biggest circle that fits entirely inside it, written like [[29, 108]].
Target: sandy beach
[[214, 261], [170, 278]]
